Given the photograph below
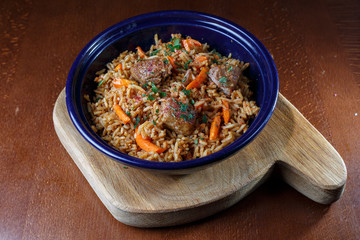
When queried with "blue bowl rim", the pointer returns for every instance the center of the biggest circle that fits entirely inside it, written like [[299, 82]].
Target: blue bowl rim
[[238, 144]]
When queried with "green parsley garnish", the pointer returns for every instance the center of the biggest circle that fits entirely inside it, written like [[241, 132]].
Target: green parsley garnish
[[163, 94], [151, 97], [101, 82], [179, 65], [157, 111], [186, 92], [125, 167], [230, 68], [128, 113], [183, 107], [137, 122], [154, 122], [184, 117], [214, 61], [177, 43], [196, 141], [166, 61], [186, 64], [223, 80], [204, 119], [145, 85], [154, 88], [154, 52], [192, 101], [191, 116], [98, 99]]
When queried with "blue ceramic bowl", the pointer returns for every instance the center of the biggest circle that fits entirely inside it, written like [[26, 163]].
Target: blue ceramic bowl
[[225, 36]]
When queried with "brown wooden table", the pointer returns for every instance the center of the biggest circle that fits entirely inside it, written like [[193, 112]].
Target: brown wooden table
[[43, 195]]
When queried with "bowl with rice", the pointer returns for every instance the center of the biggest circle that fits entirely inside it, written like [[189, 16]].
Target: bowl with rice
[[172, 91]]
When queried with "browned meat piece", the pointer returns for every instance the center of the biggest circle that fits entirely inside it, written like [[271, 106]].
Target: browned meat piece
[[150, 70], [225, 76], [178, 116]]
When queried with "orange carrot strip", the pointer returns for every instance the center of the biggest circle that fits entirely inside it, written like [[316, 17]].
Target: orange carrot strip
[[214, 129], [226, 111], [172, 61], [200, 61], [147, 145], [122, 82], [186, 45], [140, 52], [190, 43], [121, 114], [198, 80], [119, 67]]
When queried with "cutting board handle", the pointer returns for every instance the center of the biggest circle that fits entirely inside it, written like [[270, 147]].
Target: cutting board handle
[[307, 161]]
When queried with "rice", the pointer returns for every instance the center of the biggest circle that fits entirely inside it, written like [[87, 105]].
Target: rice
[[142, 104]]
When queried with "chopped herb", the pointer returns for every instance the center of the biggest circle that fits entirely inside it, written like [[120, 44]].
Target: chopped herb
[[215, 52], [204, 119], [186, 64], [133, 108], [207, 73], [125, 167], [154, 122], [101, 82], [201, 138], [154, 88], [177, 43], [183, 107], [223, 80], [137, 122], [191, 116], [173, 115], [196, 141], [98, 99], [145, 85], [230, 68], [154, 52], [179, 65], [186, 92], [128, 113], [214, 61], [174, 109], [163, 94], [192, 101], [157, 111], [184, 117], [143, 95], [166, 61], [151, 97]]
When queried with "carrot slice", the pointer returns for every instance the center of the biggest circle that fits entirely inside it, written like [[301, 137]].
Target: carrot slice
[[140, 52], [119, 67], [226, 111], [190, 43], [122, 82], [121, 114], [198, 80], [147, 145], [172, 61], [214, 129]]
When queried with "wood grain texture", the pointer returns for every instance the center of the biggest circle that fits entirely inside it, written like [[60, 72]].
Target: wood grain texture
[[146, 199], [43, 195]]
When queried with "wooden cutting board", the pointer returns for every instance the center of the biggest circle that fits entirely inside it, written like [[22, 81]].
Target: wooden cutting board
[[139, 198]]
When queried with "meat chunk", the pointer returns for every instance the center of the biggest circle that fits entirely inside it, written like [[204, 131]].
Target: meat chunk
[[150, 70], [225, 76], [178, 116]]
